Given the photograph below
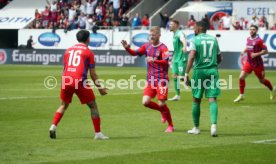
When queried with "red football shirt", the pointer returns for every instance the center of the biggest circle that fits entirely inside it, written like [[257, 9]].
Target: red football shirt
[[254, 45], [77, 60], [156, 70]]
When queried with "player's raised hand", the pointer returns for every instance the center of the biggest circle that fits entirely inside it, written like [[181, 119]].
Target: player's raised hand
[[103, 91], [125, 44]]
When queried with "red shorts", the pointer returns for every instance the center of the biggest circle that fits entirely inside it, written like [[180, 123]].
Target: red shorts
[[85, 94], [259, 71], [160, 91]]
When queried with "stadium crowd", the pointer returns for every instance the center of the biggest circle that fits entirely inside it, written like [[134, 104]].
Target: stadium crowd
[[227, 21], [91, 14], [84, 14]]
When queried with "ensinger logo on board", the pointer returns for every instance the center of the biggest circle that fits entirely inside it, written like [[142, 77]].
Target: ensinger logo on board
[[3, 56], [49, 39], [140, 39], [97, 40]]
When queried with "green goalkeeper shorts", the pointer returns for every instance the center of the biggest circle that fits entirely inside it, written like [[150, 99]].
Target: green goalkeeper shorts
[[205, 80], [179, 68]]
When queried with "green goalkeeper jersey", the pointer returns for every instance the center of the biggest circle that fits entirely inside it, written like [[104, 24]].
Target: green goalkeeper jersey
[[179, 55], [207, 50]]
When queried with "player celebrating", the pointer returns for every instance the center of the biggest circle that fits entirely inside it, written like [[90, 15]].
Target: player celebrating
[[255, 48], [157, 56], [78, 60], [205, 55], [179, 57]]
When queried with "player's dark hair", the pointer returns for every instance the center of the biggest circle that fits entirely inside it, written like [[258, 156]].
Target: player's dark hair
[[202, 25], [254, 26], [82, 36], [176, 22]]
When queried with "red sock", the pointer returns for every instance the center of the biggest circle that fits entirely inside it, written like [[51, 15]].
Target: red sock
[[153, 105], [97, 124], [168, 114], [57, 118], [268, 84], [242, 86]]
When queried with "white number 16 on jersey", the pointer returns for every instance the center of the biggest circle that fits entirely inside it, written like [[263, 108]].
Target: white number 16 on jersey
[[74, 58]]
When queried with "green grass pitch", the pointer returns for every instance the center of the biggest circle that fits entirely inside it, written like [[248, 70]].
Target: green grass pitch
[[136, 133]]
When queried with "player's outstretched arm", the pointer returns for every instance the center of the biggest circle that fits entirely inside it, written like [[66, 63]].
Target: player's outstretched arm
[[127, 48], [94, 77]]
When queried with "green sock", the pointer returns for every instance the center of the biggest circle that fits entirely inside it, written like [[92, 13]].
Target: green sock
[[196, 113], [213, 112], [176, 86]]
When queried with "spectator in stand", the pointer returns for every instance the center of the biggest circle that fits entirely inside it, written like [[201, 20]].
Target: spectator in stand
[[73, 23], [124, 20], [125, 5], [237, 26], [145, 20], [53, 5], [54, 16], [254, 21], [243, 23], [71, 13], [99, 13], [90, 6], [164, 19], [226, 21], [274, 27], [135, 21], [81, 21], [191, 22], [263, 24], [116, 8], [83, 7], [37, 14], [215, 23], [45, 17], [107, 20], [89, 23], [102, 7], [207, 21]]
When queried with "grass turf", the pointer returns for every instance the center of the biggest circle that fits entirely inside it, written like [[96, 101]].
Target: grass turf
[[137, 135]]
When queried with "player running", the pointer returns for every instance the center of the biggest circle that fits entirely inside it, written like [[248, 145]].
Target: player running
[[157, 56], [205, 55], [255, 48], [180, 56], [78, 60]]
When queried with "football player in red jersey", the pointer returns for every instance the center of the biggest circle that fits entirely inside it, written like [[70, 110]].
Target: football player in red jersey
[[255, 48], [78, 61], [157, 56]]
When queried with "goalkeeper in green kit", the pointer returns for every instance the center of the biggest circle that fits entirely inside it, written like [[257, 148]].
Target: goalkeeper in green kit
[[204, 57], [179, 57]]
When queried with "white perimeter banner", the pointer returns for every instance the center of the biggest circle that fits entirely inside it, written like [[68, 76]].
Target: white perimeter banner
[[229, 41]]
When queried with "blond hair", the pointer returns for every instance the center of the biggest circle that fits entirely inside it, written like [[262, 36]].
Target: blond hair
[[156, 29]]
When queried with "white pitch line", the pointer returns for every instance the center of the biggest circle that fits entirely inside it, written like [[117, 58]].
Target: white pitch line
[[110, 94], [264, 141], [41, 97]]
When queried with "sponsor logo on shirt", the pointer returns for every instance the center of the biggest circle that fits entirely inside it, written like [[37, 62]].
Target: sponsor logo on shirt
[[49, 39]]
